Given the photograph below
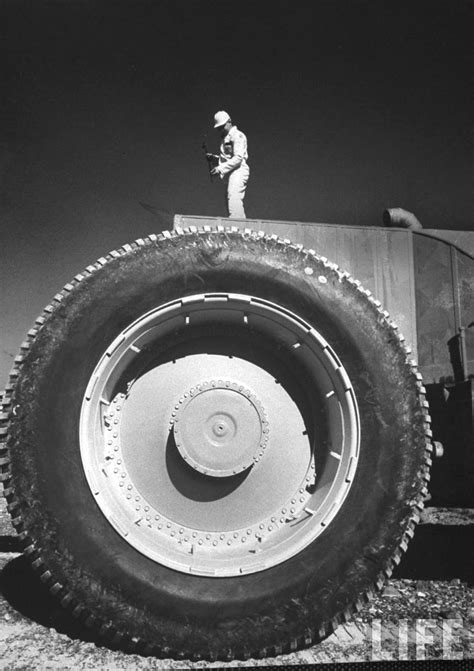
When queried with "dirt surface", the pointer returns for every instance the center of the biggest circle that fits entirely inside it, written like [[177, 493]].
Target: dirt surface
[[425, 612]]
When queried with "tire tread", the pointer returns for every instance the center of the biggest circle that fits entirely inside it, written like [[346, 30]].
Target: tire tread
[[106, 629]]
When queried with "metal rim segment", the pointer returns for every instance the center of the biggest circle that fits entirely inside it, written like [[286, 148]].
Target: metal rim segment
[[204, 458]]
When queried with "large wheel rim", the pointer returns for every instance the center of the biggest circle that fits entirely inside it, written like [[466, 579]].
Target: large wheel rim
[[200, 461]]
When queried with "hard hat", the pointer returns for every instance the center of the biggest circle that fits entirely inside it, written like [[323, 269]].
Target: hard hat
[[220, 118]]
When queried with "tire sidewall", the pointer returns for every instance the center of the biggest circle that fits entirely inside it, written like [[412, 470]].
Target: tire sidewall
[[79, 545]]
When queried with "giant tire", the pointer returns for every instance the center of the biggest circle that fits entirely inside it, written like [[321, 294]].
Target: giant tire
[[141, 596]]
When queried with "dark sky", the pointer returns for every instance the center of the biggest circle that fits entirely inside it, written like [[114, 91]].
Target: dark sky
[[350, 106]]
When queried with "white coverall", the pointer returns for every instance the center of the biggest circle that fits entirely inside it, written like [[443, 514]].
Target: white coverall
[[233, 163]]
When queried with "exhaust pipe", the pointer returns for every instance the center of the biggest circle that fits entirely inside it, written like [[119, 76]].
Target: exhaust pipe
[[401, 218]]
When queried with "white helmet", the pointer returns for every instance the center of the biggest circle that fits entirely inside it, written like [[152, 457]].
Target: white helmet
[[220, 118]]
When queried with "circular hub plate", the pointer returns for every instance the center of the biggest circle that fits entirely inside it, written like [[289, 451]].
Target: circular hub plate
[[220, 428], [221, 475]]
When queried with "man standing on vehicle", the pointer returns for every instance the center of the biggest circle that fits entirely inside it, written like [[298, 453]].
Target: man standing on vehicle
[[232, 163]]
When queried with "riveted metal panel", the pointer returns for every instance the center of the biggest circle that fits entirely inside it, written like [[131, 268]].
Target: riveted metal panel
[[444, 278], [434, 307], [465, 271]]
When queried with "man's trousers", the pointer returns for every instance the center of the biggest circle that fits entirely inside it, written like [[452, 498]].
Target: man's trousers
[[236, 186]]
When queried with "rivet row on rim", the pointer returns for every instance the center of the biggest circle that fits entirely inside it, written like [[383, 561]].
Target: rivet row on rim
[[185, 536]]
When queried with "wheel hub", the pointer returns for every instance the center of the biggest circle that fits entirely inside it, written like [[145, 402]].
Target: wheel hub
[[220, 428], [174, 467]]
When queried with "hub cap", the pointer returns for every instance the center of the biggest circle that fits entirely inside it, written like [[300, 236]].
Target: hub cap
[[220, 428], [219, 434]]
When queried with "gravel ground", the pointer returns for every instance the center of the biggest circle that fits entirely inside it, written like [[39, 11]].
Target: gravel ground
[[425, 612], [420, 599]]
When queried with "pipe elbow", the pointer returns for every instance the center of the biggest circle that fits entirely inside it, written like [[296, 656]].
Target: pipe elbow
[[402, 218]]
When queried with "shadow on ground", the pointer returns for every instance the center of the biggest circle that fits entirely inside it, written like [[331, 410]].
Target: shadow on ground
[[25, 592], [437, 552]]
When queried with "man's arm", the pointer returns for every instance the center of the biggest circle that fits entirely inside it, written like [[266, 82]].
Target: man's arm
[[236, 160], [210, 158]]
